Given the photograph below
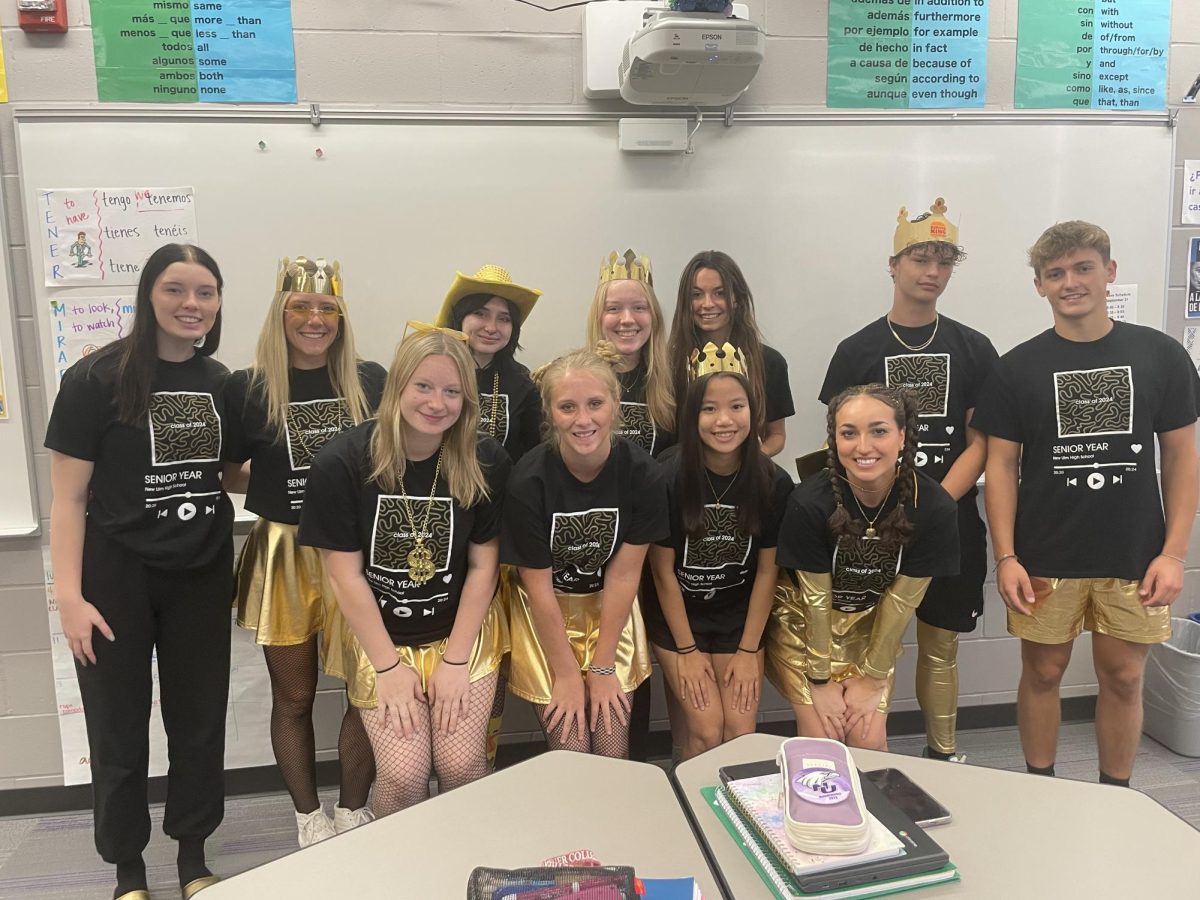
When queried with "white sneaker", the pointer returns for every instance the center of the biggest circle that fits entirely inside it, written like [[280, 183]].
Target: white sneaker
[[345, 819], [313, 827]]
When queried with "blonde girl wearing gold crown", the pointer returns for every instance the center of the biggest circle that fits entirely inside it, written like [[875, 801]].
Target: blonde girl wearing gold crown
[[306, 385], [406, 512], [863, 538], [715, 304], [625, 312], [714, 577], [581, 510]]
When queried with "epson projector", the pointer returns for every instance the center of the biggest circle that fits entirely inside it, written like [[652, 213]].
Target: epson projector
[[680, 59]]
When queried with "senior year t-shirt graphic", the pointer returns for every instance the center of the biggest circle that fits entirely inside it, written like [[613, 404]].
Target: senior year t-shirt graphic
[[637, 425], [925, 375], [310, 425], [580, 544], [863, 568], [493, 406], [392, 537], [184, 428], [721, 544], [1094, 414]]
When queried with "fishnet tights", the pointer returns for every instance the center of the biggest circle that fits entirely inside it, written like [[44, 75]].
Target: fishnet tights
[[293, 671], [403, 765], [599, 742]]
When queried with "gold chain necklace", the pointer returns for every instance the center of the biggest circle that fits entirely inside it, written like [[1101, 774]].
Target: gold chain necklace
[[870, 532], [420, 557], [721, 496], [492, 426], [937, 320]]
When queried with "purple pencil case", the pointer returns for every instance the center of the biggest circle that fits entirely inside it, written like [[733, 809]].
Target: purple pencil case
[[821, 797]]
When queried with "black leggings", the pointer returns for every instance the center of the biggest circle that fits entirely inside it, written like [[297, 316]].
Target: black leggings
[[182, 617]]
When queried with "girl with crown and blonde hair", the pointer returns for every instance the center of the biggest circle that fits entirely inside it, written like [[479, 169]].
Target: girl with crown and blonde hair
[[406, 512], [306, 385], [581, 510], [714, 577], [715, 304], [864, 537]]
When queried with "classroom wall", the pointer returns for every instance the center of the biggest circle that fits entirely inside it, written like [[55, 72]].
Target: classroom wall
[[460, 54]]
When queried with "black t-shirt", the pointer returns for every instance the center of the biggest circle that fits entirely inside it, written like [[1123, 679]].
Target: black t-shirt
[[517, 407], [315, 414], [863, 568], [155, 490], [552, 520], [345, 511], [639, 426], [719, 567], [946, 377], [1086, 414], [778, 389]]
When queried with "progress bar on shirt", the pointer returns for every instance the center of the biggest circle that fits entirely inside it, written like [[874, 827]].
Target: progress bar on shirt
[[921, 444], [1132, 463], [185, 496]]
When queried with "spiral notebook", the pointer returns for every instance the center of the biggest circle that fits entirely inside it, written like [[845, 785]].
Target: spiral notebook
[[781, 883]]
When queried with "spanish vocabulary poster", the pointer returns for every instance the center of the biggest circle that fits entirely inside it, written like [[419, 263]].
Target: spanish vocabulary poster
[[907, 54], [1093, 54], [183, 51]]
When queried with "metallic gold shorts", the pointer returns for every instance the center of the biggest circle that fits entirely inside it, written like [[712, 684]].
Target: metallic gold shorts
[[785, 646], [530, 675], [1063, 607], [344, 657], [280, 587]]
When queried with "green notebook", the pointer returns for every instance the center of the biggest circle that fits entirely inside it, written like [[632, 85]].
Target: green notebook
[[780, 881]]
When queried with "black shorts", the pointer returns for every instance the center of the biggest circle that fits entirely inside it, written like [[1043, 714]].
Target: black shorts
[[715, 628], [955, 602]]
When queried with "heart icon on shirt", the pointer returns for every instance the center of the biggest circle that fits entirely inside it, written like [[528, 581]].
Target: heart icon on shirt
[[1136, 448], [448, 577], [949, 429]]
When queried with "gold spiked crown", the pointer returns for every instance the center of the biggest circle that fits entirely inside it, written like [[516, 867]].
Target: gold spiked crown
[[630, 266], [711, 358], [309, 276], [930, 226]]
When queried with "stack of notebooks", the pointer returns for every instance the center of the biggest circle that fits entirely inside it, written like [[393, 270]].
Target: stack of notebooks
[[899, 857]]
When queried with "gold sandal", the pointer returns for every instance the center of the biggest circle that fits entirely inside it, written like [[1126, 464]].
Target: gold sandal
[[196, 885]]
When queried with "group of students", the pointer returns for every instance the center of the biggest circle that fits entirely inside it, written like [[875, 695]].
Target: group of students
[[456, 527]]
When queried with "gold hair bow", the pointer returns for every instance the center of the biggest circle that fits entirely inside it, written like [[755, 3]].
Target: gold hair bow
[[424, 328]]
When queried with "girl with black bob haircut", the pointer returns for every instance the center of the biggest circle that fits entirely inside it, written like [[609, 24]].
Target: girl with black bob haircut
[[714, 576], [140, 541], [864, 538]]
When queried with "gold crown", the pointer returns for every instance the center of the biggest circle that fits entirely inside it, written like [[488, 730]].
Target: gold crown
[[309, 276], [930, 226], [710, 359], [630, 266]]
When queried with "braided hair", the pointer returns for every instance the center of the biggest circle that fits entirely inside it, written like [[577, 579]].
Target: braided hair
[[896, 527], [599, 362]]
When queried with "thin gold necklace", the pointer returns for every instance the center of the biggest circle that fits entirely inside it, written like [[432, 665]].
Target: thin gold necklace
[[870, 532], [712, 489], [865, 490], [420, 557], [937, 320]]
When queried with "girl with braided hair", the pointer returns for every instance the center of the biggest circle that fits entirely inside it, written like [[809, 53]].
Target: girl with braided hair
[[582, 509], [863, 539]]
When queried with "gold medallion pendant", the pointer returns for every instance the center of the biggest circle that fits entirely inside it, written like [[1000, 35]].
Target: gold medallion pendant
[[420, 563]]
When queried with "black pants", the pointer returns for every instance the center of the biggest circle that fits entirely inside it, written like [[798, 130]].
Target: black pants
[[181, 617]]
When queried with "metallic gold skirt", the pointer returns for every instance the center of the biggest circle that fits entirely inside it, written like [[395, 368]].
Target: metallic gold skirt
[[530, 676], [343, 656], [785, 645], [280, 587]]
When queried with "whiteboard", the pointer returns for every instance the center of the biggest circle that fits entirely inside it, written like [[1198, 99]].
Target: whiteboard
[[17, 513], [806, 207]]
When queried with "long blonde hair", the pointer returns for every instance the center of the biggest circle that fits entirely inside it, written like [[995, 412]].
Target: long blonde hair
[[660, 391], [460, 465], [272, 360]]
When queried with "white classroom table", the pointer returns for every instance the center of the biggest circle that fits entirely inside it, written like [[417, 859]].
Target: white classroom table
[[626, 813], [1013, 836]]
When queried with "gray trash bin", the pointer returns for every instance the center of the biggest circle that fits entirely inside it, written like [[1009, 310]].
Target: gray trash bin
[[1172, 690]]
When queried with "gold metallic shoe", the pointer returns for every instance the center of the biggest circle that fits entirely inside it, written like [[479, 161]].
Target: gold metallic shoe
[[139, 894], [196, 885]]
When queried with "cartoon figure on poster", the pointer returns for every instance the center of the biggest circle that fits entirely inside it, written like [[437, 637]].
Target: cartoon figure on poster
[[1193, 279], [81, 251]]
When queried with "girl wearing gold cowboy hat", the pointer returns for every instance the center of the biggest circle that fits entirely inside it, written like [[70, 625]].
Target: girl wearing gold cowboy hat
[[489, 308], [306, 385]]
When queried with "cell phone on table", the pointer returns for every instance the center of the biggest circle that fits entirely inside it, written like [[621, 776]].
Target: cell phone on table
[[907, 796]]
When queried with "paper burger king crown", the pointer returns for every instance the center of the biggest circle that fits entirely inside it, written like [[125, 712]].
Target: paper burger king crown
[[630, 266], [309, 276], [930, 226], [711, 358]]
